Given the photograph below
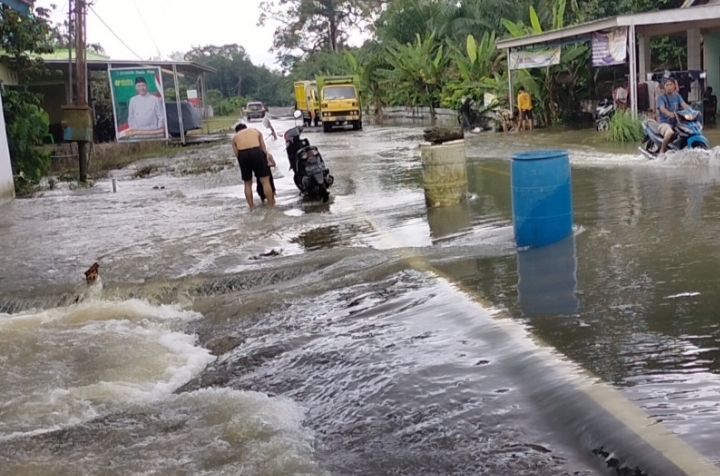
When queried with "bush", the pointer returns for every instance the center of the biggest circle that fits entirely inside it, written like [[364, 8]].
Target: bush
[[625, 128], [27, 125], [230, 107]]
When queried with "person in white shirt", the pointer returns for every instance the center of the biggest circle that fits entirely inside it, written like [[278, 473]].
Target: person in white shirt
[[146, 114], [621, 97]]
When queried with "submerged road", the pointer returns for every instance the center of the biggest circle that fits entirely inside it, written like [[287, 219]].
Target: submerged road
[[384, 338]]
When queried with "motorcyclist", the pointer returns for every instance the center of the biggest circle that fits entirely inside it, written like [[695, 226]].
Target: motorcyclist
[[668, 104]]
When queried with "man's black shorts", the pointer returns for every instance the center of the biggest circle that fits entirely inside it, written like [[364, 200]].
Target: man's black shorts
[[526, 115], [253, 160]]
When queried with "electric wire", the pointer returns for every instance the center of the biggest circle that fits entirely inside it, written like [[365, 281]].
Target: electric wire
[[147, 28], [115, 34]]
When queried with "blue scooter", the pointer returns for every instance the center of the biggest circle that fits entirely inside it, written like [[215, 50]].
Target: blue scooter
[[688, 134]]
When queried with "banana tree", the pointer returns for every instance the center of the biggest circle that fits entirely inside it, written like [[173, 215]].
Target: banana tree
[[415, 73], [571, 59], [366, 68], [473, 71]]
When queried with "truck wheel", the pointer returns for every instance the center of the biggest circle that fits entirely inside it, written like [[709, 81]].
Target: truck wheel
[[356, 125], [327, 127]]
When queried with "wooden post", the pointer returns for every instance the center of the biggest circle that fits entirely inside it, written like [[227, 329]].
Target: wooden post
[[81, 75], [179, 106]]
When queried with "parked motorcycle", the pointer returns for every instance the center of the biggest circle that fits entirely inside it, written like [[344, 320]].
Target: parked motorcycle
[[311, 175], [603, 114], [688, 134]]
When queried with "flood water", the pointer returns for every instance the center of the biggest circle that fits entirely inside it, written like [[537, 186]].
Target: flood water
[[379, 337]]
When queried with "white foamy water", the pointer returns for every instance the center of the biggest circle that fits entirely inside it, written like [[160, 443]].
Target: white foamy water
[[64, 366], [88, 389]]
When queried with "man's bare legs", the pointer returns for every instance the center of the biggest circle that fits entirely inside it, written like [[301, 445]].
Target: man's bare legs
[[267, 189], [249, 194], [666, 142]]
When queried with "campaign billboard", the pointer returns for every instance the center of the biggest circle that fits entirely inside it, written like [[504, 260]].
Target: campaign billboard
[[138, 104]]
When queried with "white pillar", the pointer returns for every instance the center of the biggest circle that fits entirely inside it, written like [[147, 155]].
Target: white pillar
[[632, 45], [694, 49], [511, 95], [644, 57], [7, 186]]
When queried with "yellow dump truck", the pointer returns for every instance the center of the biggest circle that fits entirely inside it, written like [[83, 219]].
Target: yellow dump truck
[[306, 101], [340, 101]]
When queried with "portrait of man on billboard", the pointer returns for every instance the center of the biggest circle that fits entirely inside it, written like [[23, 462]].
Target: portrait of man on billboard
[[138, 104], [146, 112]]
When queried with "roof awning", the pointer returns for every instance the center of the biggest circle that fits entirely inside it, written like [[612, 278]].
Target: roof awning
[[660, 23], [186, 67]]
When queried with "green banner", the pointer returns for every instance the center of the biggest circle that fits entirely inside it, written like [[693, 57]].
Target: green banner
[[138, 104]]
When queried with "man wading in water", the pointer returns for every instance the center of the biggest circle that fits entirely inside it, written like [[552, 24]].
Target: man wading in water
[[252, 156]]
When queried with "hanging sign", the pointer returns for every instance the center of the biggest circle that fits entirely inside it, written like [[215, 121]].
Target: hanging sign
[[534, 59], [609, 47]]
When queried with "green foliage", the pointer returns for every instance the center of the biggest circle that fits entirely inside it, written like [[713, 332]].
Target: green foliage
[[21, 38], [624, 128], [213, 97], [237, 76], [416, 73], [27, 126], [315, 25], [231, 106]]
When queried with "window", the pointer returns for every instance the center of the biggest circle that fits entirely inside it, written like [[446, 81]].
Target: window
[[339, 92]]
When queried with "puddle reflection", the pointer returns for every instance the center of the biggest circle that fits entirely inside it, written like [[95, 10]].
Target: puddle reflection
[[547, 279]]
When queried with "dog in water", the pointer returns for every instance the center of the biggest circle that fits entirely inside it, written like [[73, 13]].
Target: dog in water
[[93, 284]]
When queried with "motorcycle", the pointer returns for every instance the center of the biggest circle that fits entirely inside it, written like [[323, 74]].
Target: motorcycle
[[603, 113], [688, 134], [311, 175]]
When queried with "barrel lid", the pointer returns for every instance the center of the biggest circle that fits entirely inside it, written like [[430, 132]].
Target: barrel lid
[[540, 154]]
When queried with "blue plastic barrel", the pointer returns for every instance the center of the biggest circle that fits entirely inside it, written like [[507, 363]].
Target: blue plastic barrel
[[541, 197]]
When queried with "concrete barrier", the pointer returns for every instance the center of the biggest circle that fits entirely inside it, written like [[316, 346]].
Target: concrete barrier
[[444, 173], [7, 186]]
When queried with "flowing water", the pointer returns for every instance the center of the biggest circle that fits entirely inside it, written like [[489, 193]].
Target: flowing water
[[378, 337]]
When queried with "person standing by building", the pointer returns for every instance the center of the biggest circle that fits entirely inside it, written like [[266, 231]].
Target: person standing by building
[[620, 97], [252, 155], [525, 107]]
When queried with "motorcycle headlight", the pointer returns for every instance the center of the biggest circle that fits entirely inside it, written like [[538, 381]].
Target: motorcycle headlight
[[688, 117]]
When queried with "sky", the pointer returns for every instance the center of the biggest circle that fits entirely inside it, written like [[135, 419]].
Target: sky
[[174, 25]]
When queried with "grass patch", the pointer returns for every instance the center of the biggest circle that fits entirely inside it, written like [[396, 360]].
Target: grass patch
[[220, 124], [625, 128], [113, 156]]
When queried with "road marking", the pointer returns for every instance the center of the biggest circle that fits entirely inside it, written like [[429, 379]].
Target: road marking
[[673, 448]]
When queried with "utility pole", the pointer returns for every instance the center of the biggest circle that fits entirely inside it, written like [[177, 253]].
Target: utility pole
[[81, 75], [70, 47]]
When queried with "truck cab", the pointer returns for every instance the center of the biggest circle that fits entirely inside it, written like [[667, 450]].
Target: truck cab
[[306, 102], [340, 102]]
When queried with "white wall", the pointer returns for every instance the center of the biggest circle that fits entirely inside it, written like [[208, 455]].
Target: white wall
[[7, 187]]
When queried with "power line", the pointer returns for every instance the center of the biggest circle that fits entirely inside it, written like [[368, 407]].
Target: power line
[[146, 27], [115, 34]]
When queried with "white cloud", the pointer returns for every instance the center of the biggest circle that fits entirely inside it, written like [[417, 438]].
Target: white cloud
[[175, 25]]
